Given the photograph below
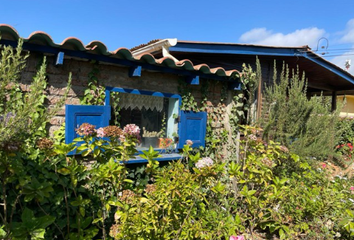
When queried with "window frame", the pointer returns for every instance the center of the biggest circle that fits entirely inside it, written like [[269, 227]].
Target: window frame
[[108, 91]]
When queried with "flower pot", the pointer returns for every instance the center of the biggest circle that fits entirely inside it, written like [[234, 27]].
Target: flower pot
[[165, 142], [150, 141]]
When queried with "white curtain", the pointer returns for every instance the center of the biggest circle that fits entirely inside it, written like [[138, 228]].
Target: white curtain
[[141, 101]]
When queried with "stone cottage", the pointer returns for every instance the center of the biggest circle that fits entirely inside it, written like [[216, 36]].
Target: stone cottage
[[164, 97]]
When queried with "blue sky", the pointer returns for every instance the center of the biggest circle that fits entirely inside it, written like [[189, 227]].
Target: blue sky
[[124, 23]]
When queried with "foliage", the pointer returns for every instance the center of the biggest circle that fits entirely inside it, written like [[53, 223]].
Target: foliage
[[281, 193], [345, 126], [22, 113], [95, 93], [345, 141], [269, 191], [188, 101], [168, 209], [302, 123], [245, 98]]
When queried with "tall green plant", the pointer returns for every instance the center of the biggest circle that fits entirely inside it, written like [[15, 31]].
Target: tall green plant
[[22, 113], [303, 123], [245, 98], [23, 118]]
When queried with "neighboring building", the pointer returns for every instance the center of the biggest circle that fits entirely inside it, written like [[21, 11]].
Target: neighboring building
[[322, 75], [348, 105]]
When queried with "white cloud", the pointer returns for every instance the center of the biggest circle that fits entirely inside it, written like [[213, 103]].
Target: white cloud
[[340, 61], [309, 36], [262, 36], [348, 39], [349, 32]]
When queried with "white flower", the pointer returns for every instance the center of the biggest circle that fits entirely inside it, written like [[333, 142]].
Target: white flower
[[204, 162], [100, 132]]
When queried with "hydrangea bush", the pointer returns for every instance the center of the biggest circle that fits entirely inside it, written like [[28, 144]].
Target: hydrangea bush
[[267, 192]]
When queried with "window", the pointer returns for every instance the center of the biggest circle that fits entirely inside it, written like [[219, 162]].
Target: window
[[157, 114]]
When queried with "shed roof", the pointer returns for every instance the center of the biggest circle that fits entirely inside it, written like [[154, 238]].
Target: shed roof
[[322, 75]]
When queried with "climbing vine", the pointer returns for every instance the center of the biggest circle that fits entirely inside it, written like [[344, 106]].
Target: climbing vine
[[242, 101], [216, 134], [244, 98], [188, 101], [116, 108], [95, 93]]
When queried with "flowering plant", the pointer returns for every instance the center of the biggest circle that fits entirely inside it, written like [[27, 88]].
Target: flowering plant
[[240, 237], [114, 141], [204, 162], [346, 150]]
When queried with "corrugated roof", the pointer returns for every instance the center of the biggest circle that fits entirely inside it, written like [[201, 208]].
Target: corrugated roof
[[243, 44], [304, 47], [97, 47]]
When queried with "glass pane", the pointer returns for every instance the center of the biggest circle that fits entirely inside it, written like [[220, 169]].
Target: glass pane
[[156, 117]]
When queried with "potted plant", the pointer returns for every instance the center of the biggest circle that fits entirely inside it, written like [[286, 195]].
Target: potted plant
[[150, 138]]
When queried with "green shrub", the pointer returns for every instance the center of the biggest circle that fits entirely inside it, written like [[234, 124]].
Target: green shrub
[[269, 191], [305, 124]]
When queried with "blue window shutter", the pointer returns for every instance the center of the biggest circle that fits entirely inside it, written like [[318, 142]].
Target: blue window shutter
[[192, 127], [75, 115]]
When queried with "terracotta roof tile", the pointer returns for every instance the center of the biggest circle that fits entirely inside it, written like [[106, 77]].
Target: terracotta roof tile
[[97, 47]]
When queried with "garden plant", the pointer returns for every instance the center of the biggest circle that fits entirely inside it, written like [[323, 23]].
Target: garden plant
[[266, 190]]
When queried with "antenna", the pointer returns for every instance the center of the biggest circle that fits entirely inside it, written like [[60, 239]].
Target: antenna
[[323, 43], [347, 64]]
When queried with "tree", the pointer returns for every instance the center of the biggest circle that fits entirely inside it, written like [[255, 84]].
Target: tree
[[303, 123]]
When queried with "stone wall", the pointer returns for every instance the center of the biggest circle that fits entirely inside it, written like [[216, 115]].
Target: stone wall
[[109, 75]]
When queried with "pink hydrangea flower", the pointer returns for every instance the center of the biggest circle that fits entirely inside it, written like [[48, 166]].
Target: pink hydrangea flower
[[85, 129], [100, 132], [131, 130], [240, 237]]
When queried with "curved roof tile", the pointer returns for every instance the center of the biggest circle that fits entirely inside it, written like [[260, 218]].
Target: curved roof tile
[[9, 32], [97, 47], [73, 43], [41, 38]]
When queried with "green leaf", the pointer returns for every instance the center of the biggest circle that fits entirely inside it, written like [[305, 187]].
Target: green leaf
[[45, 221], [281, 234], [81, 148], [64, 171], [27, 217], [251, 192], [86, 222], [82, 211], [2, 232], [37, 234]]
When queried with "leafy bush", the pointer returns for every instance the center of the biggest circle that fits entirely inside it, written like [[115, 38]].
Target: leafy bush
[[269, 192], [281, 193]]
